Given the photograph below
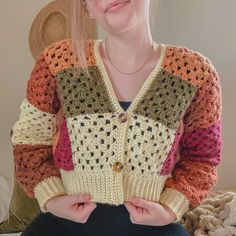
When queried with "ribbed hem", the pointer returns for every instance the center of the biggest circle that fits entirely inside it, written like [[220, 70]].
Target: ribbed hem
[[176, 201], [149, 189], [47, 189], [113, 188]]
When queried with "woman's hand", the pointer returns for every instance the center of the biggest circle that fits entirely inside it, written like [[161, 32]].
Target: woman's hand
[[76, 207], [149, 213]]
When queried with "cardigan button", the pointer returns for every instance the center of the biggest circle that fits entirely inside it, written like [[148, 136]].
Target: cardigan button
[[117, 166], [123, 117]]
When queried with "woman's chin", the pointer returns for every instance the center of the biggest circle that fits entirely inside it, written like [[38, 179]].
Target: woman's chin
[[121, 23], [118, 26]]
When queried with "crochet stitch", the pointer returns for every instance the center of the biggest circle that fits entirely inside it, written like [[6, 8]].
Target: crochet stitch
[[73, 136]]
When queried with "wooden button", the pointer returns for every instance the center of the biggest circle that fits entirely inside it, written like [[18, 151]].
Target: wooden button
[[118, 166], [123, 117]]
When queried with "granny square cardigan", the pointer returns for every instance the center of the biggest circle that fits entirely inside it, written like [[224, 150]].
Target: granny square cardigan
[[73, 136]]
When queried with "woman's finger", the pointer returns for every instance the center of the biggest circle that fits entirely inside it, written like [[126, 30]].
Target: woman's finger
[[84, 210]]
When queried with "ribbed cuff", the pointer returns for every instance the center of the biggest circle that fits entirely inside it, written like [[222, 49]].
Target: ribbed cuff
[[176, 201], [47, 189]]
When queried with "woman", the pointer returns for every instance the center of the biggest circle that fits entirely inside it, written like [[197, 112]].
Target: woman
[[156, 109]]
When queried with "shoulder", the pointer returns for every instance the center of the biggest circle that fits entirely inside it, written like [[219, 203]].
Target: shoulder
[[192, 65], [60, 54], [63, 45]]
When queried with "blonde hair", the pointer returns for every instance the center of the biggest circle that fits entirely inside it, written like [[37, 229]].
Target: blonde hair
[[79, 34]]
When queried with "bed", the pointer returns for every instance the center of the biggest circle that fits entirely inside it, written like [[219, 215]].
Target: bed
[[5, 193], [12, 234]]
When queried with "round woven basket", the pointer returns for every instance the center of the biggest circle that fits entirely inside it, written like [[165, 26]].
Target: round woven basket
[[53, 23]]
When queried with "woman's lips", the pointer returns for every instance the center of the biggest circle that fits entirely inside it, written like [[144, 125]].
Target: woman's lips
[[116, 7]]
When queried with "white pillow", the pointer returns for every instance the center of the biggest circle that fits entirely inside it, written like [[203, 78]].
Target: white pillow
[[5, 198]]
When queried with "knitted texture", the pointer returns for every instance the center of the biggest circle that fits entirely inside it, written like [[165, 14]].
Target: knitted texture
[[73, 135], [214, 216]]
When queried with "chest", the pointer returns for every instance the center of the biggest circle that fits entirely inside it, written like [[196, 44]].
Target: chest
[[99, 127], [125, 86]]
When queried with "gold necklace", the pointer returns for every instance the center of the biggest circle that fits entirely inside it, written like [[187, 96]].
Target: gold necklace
[[129, 73]]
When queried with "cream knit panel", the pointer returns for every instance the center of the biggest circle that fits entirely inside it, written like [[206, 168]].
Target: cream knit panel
[[33, 126], [94, 141], [97, 142], [148, 144]]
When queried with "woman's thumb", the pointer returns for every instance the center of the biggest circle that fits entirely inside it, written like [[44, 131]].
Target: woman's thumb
[[80, 197]]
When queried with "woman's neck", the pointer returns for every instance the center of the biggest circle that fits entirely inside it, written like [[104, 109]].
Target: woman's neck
[[125, 53]]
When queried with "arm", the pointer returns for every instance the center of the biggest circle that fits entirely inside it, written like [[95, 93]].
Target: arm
[[33, 135], [200, 146]]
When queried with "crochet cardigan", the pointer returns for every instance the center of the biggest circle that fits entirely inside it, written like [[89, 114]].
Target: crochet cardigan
[[73, 136]]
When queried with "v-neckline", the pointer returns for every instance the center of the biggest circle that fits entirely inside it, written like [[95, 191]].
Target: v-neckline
[[115, 101]]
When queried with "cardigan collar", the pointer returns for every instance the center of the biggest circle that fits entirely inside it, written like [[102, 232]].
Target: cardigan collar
[[144, 88]]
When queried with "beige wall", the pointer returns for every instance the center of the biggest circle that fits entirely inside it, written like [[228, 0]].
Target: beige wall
[[16, 64], [206, 26]]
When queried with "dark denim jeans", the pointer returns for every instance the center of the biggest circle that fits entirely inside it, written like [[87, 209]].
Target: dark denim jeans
[[104, 221]]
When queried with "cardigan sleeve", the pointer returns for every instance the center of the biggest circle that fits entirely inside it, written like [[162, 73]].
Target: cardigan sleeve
[[200, 149], [33, 135]]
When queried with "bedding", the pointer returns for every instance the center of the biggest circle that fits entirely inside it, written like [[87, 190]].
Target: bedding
[[12, 234], [215, 216], [5, 197], [22, 211]]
